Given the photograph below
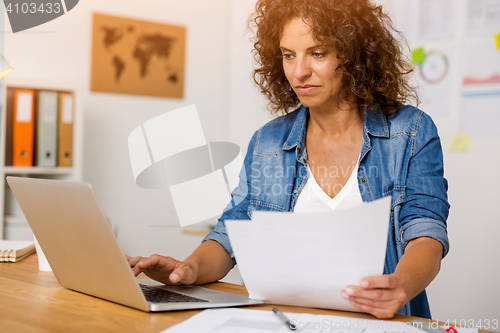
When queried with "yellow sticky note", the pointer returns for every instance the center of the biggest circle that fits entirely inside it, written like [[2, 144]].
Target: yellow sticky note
[[460, 142], [497, 40]]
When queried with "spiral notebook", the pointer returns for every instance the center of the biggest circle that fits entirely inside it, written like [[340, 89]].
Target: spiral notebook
[[14, 251]]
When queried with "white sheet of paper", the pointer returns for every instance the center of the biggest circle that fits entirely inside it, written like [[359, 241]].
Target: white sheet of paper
[[482, 17], [307, 259], [478, 114], [437, 19], [257, 321]]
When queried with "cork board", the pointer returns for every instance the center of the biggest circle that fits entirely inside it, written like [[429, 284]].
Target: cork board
[[137, 57]]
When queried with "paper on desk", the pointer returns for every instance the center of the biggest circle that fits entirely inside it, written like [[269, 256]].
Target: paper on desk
[[307, 259], [461, 329], [257, 321]]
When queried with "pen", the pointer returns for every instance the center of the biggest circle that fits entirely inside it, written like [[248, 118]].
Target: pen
[[285, 319]]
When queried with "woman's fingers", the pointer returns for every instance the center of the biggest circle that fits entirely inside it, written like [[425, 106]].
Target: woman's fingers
[[382, 281], [183, 274], [381, 313], [381, 296], [373, 294], [133, 261], [163, 269]]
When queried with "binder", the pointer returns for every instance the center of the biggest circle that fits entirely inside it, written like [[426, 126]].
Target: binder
[[9, 124], [46, 134], [23, 128], [65, 128]]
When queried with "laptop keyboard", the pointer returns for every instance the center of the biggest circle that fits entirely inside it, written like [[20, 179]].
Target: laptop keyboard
[[157, 295]]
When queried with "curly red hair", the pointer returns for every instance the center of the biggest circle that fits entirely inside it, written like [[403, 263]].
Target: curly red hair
[[372, 61]]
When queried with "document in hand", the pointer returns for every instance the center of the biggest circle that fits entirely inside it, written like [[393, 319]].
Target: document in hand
[[307, 259]]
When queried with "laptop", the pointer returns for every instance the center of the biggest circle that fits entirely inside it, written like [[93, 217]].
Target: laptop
[[84, 255]]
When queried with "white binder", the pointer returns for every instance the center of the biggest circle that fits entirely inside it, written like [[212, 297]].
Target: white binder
[[47, 129]]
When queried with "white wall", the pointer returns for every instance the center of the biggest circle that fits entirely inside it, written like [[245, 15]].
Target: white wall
[[246, 107], [106, 156], [60, 51]]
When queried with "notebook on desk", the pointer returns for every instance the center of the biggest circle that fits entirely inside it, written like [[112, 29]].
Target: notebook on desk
[[84, 255]]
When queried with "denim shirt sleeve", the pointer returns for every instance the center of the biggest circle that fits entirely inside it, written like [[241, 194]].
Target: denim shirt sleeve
[[426, 207], [237, 209]]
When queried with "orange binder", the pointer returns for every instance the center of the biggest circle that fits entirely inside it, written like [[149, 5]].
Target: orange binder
[[23, 128], [65, 125]]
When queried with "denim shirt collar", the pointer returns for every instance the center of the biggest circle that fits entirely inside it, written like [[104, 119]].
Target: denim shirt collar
[[297, 136], [374, 123]]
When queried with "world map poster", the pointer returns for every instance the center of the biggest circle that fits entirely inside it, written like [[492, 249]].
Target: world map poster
[[137, 57]]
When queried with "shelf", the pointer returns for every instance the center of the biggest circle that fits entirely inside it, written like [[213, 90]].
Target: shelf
[[8, 204], [9, 170], [38, 84]]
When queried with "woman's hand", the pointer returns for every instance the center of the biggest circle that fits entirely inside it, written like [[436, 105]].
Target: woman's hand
[[383, 295], [166, 270], [380, 296]]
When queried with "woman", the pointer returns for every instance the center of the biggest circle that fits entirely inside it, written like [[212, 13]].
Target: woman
[[337, 64]]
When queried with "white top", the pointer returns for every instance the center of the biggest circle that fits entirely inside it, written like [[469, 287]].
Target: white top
[[312, 198]]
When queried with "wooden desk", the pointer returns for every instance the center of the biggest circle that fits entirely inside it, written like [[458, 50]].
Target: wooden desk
[[33, 301]]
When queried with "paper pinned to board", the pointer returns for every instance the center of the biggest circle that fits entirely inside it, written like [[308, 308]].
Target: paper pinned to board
[[460, 143], [307, 259]]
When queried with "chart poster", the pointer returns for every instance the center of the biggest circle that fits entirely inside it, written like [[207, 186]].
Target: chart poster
[[137, 57], [481, 65], [434, 78]]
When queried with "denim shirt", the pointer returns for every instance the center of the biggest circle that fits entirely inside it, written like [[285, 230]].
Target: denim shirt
[[400, 157]]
